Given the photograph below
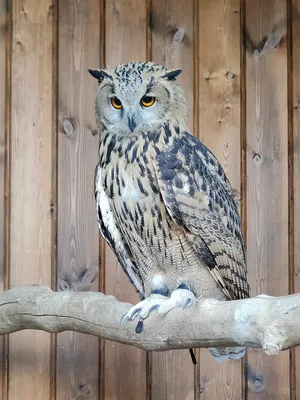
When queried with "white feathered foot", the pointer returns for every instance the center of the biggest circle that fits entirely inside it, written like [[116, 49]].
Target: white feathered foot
[[182, 298], [227, 353]]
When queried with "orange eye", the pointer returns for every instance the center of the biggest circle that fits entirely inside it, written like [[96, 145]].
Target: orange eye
[[147, 101], [116, 103]]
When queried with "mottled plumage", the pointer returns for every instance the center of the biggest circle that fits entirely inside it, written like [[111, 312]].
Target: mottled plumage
[[164, 204]]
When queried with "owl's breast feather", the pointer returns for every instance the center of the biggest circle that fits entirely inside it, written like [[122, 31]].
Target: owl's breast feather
[[130, 191]]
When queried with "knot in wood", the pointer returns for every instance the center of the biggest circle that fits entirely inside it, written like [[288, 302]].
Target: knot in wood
[[84, 390], [24, 11], [275, 38], [258, 383], [230, 75], [69, 128], [20, 44], [63, 285], [208, 76], [257, 159], [202, 386], [256, 53], [94, 132], [86, 278], [178, 36]]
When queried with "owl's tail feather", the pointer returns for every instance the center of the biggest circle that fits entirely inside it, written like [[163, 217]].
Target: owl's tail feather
[[227, 353]]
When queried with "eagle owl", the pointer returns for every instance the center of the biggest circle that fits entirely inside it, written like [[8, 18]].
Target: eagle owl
[[164, 203]]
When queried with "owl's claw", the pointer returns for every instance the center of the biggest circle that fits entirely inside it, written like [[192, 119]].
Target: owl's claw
[[179, 298], [143, 308], [135, 313], [188, 302], [139, 327]]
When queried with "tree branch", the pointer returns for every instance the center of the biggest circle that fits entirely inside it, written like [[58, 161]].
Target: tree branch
[[263, 321]]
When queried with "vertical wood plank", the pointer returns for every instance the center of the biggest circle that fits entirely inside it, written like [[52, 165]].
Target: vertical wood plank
[[171, 25], [3, 16], [295, 105], [78, 236], [267, 179], [219, 121], [3, 20], [31, 167], [125, 367]]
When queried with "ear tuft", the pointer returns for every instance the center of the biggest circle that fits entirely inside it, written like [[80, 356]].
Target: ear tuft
[[171, 74], [100, 74]]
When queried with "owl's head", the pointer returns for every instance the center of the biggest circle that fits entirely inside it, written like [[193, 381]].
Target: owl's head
[[139, 96]]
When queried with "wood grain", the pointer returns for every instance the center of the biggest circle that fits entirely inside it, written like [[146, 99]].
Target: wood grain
[[125, 367], [78, 236], [172, 44], [30, 182], [3, 37], [3, 17], [171, 27], [295, 159], [219, 121], [267, 179]]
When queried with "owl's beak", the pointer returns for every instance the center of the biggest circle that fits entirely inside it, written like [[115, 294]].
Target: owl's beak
[[131, 121]]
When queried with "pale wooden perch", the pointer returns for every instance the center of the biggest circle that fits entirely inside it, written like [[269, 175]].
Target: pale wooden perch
[[269, 322]]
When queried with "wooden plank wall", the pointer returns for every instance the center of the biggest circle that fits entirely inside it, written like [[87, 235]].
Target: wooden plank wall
[[294, 118], [77, 233], [219, 127], [241, 74], [3, 24], [30, 184], [267, 167]]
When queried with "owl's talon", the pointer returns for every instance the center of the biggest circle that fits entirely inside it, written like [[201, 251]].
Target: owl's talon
[[139, 327], [124, 320], [188, 303], [155, 307], [135, 313], [144, 308]]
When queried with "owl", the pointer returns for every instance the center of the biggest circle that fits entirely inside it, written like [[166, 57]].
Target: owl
[[164, 203]]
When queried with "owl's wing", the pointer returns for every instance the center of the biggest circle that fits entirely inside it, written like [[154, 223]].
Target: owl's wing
[[113, 236], [199, 199]]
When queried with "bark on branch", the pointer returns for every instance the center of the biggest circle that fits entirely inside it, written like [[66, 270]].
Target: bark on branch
[[263, 321]]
